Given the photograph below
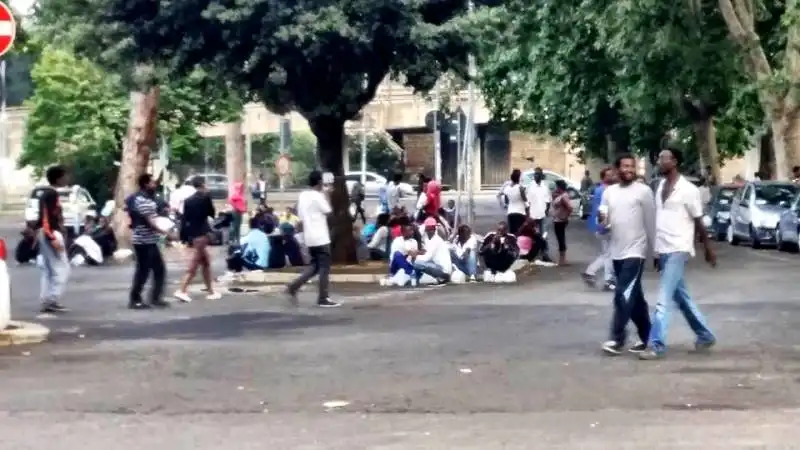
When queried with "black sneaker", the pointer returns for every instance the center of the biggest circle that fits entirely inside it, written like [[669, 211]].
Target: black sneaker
[[138, 305], [612, 348], [328, 303], [589, 279], [53, 307], [638, 348], [291, 297]]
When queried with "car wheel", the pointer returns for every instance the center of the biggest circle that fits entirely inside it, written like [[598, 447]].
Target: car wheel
[[754, 242], [730, 236]]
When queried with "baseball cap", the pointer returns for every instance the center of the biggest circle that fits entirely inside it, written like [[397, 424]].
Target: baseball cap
[[429, 222]]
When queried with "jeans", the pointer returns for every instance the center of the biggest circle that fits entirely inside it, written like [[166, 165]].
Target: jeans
[[560, 230], [430, 268], [673, 287], [467, 264], [603, 260], [236, 227], [629, 302], [55, 270], [148, 259], [320, 265], [400, 262]]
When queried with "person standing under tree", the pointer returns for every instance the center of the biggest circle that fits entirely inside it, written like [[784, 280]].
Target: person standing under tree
[[603, 260], [539, 197], [627, 211], [51, 239], [313, 208], [357, 199], [562, 209], [679, 223], [515, 199], [197, 210], [143, 211]]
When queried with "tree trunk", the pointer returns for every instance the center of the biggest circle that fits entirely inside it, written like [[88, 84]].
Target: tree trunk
[[136, 147], [780, 128], [611, 149], [706, 134], [792, 143], [330, 152], [235, 158], [766, 157]]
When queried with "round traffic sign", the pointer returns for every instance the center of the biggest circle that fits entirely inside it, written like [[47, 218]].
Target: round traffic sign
[[8, 28], [283, 165]]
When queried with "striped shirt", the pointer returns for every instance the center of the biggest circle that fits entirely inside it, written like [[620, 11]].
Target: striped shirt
[[143, 233]]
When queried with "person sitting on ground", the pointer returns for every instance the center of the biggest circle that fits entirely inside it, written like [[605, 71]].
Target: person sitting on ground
[[530, 241], [377, 239], [499, 249], [403, 251], [28, 248], [464, 252], [104, 235], [254, 250], [289, 217], [434, 258], [449, 213]]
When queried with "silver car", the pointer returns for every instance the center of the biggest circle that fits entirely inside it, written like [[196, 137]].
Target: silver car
[[756, 211], [788, 236]]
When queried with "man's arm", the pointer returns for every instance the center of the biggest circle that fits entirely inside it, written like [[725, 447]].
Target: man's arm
[[694, 206], [149, 210], [211, 212], [649, 214]]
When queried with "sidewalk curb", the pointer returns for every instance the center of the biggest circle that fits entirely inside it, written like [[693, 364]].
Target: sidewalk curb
[[22, 333], [287, 277]]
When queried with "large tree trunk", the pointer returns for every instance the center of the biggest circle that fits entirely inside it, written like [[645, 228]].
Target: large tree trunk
[[139, 141], [766, 157], [706, 135], [330, 152], [780, 129], [235, 158]]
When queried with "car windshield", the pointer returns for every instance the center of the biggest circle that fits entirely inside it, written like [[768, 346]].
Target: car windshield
[[63, 194], [724, 198], [775, 194]]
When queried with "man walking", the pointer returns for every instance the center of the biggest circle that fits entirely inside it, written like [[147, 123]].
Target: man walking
[[627, 211], [313, 208], [52, 239], [679, 221], [603, 260], [143, 211], [539, 197]]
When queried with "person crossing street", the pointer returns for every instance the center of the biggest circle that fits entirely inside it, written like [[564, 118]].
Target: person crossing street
[[603, 260]]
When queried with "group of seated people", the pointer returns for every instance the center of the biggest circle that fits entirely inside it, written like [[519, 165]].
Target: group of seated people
[[95, 244], [274, 240]]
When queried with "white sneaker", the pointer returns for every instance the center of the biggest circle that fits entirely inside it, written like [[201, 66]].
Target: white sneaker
[[214, 296], [414, 282], [472, 279], [182, 296]]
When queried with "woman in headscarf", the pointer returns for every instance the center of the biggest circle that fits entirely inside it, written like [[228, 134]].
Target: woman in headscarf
[[238, 205]]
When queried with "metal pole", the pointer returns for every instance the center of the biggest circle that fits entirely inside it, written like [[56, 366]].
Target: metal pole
[[363, 149], [460, 167], [248, 156], [284, 148], [437, 136], [470, 143], [4, 153]]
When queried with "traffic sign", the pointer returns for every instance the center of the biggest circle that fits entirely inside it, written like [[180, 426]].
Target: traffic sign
[[8, 28], [283, 165]]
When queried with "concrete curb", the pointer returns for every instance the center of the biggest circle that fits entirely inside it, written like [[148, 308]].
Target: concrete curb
[[22, 333], [286, 277]]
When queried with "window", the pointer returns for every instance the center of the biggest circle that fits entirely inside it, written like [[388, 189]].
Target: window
[[84, 197], [745, 199], [369, 178], [775, 194], [352, 177]]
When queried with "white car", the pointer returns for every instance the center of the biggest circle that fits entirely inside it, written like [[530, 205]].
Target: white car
[[373, 183], [76, 203]]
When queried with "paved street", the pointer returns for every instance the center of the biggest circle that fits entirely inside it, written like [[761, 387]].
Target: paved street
[[471, 366]]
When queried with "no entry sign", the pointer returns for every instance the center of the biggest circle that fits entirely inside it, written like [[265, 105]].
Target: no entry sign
[[8, 28]]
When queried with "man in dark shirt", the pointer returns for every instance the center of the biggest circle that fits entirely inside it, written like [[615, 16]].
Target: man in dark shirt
[[197, 210], [52, 242], [143, 211]]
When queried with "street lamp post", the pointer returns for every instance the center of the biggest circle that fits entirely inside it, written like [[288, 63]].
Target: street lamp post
[[364, 139], [469, 133]]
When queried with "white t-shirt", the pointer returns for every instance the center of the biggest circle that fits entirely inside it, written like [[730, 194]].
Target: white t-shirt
[[515, 203], [539, 196], [403, 245], [437, 252], [178, 196], [471, 244], [675, 217], [392, 195], [312, 209]]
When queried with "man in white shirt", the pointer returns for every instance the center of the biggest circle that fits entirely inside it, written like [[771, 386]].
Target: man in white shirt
[[539, 197], [464, 252], [179, 195], [434, 258], [679, 220], [313, 209], [627, 214]]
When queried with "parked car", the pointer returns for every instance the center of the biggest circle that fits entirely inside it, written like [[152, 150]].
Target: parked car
[[76, 203], [373, 183], [581, 204], [787, 237], [216, 183], [718, 210], [756, 211]]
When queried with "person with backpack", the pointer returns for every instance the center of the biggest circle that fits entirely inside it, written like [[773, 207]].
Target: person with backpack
[[143, 211], [51, 238]]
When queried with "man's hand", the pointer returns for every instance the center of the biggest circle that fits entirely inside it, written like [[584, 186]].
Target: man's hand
[[657, 263], [711, 257]]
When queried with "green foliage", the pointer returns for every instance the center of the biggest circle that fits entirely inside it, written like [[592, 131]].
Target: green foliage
[[79, 116]]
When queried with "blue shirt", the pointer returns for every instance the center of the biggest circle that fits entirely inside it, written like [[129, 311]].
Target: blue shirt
[[597, 198], [256, 247]]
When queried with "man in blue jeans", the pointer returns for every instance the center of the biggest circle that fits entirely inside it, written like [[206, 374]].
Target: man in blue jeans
[[679, 213]]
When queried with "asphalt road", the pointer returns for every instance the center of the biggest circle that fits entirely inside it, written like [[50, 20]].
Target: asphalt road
[[467, 367]]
